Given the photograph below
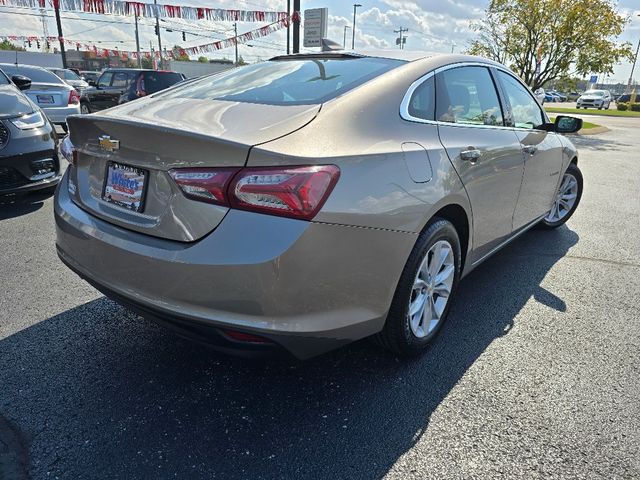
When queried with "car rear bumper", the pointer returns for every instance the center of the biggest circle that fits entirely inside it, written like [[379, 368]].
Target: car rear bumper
[[58, 115], [308, 287]]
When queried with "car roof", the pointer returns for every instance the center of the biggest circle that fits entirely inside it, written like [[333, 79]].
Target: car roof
[[21, 65]]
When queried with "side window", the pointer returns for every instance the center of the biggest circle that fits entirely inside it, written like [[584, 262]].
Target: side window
[[120, 80], [524, 108], [423, 101], [105, 79], [467, 95]]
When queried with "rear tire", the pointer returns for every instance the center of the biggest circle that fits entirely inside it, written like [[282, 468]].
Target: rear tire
[[84, 109], [430, 278], [567, 198]]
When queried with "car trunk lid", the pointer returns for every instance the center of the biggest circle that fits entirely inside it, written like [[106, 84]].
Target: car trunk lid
[[155, 135], [48, 95]]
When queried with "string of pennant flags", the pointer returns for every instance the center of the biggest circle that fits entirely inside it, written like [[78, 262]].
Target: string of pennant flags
[[150, 10], [198, 49]]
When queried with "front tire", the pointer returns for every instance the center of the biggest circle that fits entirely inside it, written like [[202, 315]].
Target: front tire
[[567, 198], [424, 292]]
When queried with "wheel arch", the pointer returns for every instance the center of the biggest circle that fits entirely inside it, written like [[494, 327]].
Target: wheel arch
[[457, 215]]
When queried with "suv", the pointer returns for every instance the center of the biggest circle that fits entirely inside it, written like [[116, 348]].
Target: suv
[[116, 86]]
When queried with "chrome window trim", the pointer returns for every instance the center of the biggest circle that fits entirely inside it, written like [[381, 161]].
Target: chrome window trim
[[404, 105]]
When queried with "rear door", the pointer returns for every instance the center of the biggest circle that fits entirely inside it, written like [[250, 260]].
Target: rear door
[[119, 84], [542, 151], [485, 153]]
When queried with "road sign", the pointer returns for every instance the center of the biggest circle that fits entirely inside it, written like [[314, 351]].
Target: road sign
[[315, 26], [594, 79]]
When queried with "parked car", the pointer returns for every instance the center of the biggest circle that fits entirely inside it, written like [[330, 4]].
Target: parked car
[[28, 157], [559, 96], [595, 98], [116, 86], [90, 77], [573, 96], [540, 95], [70, 77], [56, 98], [305, 202]]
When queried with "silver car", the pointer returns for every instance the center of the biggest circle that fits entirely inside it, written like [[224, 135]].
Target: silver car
[[56, 98], [70, 77], [305, 202], [595, 98]]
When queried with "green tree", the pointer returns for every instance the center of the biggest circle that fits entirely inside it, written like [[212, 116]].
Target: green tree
[[571, 36], [203, 59], [7, 45], [147, 63]]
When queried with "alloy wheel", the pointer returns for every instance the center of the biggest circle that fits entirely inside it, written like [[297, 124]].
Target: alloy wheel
[[565, 199], [431, 289]]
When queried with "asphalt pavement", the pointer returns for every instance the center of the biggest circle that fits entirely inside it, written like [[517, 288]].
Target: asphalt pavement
[[535, 375]]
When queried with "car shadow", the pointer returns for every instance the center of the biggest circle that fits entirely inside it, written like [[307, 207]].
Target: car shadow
[[95, 389], [12, 206]]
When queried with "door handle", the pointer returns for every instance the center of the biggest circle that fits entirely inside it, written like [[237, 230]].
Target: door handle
[[530, 149], [471, 154]]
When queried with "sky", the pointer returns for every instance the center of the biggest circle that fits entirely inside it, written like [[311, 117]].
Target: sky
[[434, 25]]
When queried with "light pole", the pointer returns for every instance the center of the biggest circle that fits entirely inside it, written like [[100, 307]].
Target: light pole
[[344, 37], [633, 67], [353, 30]]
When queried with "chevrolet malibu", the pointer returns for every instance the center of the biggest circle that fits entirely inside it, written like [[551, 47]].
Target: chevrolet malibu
[[302, 203]]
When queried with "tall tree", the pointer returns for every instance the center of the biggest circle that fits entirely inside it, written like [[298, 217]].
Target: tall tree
[[569, 36], [7, 45]]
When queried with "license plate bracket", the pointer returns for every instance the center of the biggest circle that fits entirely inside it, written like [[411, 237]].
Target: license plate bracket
[[45, 99], [125, 186]]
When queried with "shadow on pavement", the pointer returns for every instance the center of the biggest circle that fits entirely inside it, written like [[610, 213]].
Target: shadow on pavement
[[101, 393], [12, 206]]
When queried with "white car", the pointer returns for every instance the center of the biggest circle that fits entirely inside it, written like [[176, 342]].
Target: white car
[[595, 98]]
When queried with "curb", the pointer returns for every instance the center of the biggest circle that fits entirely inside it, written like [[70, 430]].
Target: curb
[[13, 454]]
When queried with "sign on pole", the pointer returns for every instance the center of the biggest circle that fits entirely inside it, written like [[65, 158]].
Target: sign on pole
[[315, 26], [594, 79]]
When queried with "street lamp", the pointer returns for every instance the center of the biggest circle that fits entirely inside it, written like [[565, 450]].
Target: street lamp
[[344, 37], [353, 30], [635, 59]]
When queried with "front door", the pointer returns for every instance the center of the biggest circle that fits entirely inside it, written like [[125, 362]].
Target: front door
[[542, 152], [486, 154]]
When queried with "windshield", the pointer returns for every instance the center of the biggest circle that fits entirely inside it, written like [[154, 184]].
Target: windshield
[[596, 93], [287, 82], [3, 79], [37, 75]]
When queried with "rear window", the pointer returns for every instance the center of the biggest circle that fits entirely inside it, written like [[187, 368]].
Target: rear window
[[37, 75], [287, 82], [156, 81]]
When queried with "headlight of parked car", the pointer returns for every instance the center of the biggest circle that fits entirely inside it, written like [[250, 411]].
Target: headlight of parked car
[[31, 120]]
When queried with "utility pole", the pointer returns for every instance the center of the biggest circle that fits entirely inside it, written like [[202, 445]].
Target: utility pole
[[235, 29], [45, 30], [56, 8], [296, 27], [353, 30], [138, 40], [155, 3], [633, 67], [400, 39], [344, 37], [288, 26]]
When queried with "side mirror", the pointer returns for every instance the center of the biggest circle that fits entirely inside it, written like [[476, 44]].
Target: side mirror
[[92, 83], [564, 124], [22, 82]]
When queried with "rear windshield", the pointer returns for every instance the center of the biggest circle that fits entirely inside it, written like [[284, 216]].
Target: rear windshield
[[37, 75], [156, 81], [287, 82]]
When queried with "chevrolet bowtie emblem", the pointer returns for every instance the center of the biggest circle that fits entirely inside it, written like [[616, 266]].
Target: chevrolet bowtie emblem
[[107, 144]]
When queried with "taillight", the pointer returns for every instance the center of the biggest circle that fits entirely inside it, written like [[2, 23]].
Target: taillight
[[204, 184], [297, 192], [68, 151], [291, 192], [140, 91], [74, 97]]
